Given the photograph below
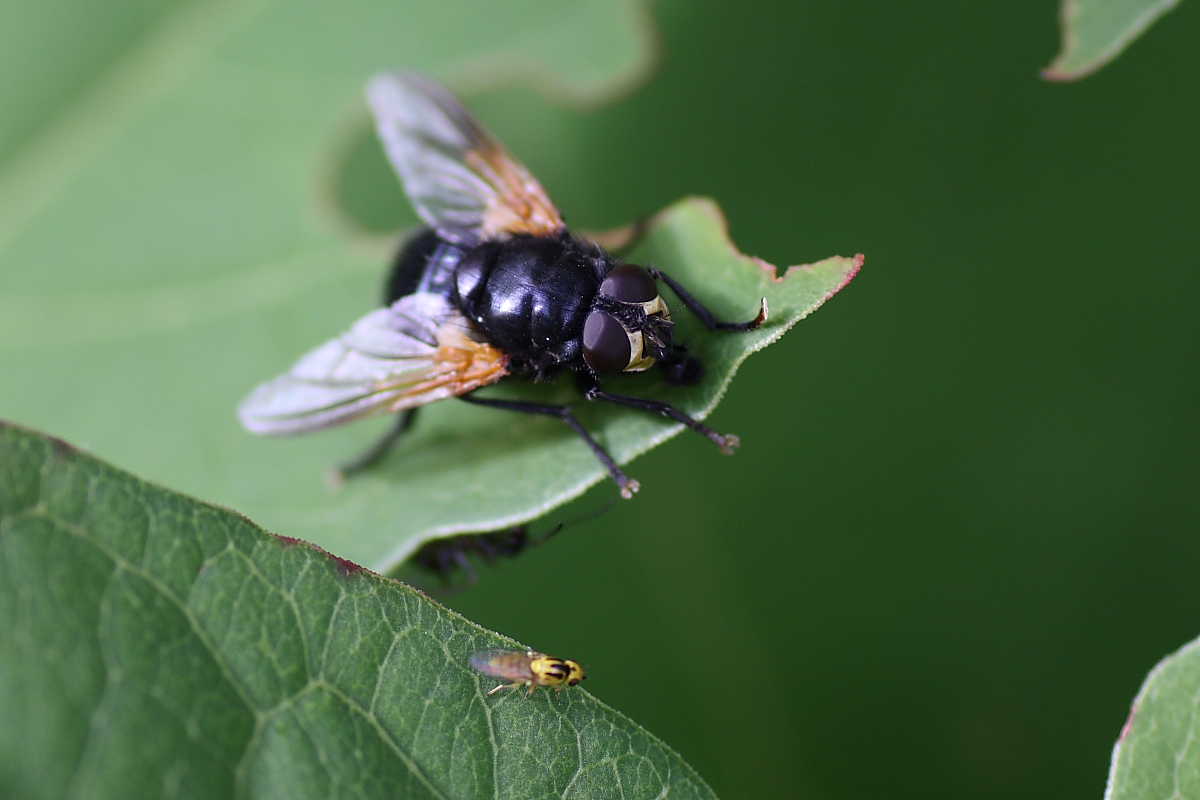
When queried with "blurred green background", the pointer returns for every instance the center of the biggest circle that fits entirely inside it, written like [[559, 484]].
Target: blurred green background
[[963, 522]]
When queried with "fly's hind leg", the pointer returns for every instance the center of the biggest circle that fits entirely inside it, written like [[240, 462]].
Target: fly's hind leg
[[375, 453], [627, 485]]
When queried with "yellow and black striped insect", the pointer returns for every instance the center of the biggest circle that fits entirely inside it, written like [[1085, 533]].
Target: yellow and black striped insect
[[529, 668]]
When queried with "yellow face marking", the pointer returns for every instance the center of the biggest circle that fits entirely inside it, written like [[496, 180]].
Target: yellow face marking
[[656, 306], [639, 359]]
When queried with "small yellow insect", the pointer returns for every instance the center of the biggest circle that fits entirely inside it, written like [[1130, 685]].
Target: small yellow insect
[[529, 668]]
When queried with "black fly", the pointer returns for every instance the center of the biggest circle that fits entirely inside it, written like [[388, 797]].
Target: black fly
[[496, 287]]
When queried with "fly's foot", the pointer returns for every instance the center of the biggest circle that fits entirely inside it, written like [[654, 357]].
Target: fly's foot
[[727, 442], [761, 318]]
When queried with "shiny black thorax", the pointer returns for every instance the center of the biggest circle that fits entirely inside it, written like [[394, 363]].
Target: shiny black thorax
[[528, 295]]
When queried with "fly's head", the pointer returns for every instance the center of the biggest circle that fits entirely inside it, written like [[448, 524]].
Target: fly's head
[[629, 326]]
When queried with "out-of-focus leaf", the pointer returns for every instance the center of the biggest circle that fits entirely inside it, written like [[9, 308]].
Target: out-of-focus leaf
[[1158, 751], [1095, 31], [157, 646]]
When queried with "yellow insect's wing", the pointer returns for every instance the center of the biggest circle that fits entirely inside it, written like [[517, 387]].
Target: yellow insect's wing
[[418, 350], [511, 665]]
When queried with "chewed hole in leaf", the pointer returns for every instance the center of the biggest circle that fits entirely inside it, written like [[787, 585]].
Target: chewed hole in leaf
[[358, 188]]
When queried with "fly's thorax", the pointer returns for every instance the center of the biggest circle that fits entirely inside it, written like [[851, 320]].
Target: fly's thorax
[[528, 296], [629, 326]]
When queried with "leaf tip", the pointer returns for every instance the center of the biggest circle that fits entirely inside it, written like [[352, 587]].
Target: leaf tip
[[1060, 72], [853, 267], [856, 265], [1056, 75], [1081, 54]]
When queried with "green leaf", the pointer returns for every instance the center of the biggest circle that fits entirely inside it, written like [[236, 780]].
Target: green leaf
[[155, 646], [1095, 31], [1158, 752]]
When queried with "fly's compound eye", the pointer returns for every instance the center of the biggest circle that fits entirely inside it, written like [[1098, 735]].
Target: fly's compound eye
[[629, 284], [606, 345]]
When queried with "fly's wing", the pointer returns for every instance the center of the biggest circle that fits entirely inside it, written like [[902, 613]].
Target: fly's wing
[[460, 179], [510, 665], [418, 350]]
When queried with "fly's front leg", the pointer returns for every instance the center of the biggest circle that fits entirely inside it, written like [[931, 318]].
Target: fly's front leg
[[702, 313], [628, 486], [727, 442]]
